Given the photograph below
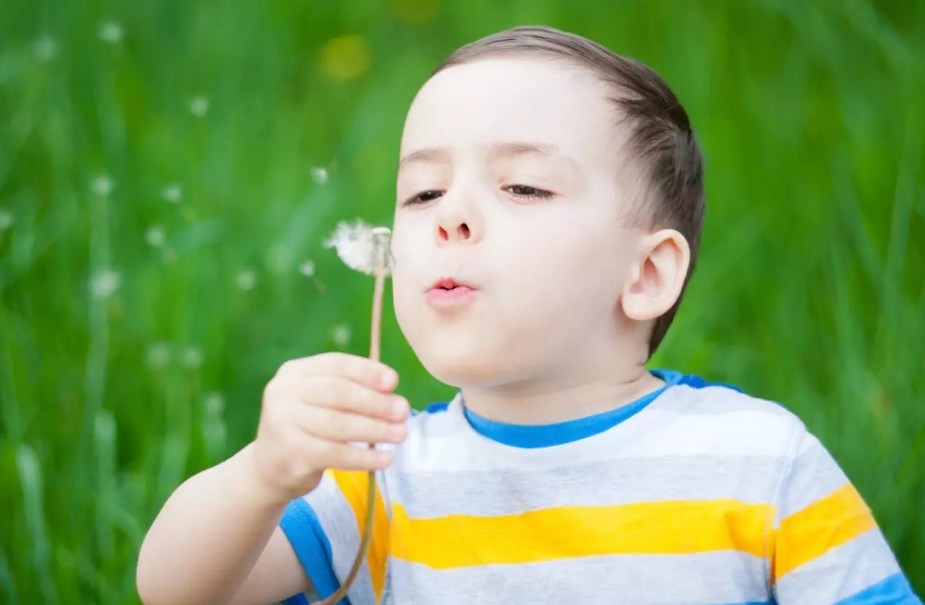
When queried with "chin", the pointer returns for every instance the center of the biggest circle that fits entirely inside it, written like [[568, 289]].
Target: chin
[[462, 366]]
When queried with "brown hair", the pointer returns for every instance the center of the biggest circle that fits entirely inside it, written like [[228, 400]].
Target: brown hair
[[661, 139]]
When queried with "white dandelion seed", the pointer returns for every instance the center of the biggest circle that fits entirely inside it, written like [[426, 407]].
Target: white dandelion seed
[[341, 335], [307, 268], [158, 355], [214, 404], [45, 48], [104, 284], [172, 193], [192, 358], [246, 280], [6, 219], [102, 185], [199, 106], [356, 244], [155, 236], [320, 175], [111, 32]]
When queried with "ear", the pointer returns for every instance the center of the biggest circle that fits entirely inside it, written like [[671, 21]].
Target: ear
[[656, 281]]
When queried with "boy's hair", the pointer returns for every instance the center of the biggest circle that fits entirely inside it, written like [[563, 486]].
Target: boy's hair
[[661, 140]]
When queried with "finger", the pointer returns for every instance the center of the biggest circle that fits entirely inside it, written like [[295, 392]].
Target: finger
[[346, 396], [342, 427], [347, 458], [361, 370]]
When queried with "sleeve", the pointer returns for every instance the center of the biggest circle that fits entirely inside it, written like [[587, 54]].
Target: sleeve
[[828, 549], [324, 529]]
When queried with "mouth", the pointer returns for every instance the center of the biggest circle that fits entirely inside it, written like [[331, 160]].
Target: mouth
[[449, 292]]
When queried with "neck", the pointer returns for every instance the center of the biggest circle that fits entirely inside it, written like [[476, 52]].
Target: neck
[[554, 398]]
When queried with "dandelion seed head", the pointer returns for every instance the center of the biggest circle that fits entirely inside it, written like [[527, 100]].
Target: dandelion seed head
[[214, 404], [307, 268], [341, 335], [111, 32], [246, 280], [6, 219], [104, 284], [155, 236], [102, 185], [192, 358], [320, 175], [158, 355], [172, 193], [360, 245], [45, 48], [199, 106]]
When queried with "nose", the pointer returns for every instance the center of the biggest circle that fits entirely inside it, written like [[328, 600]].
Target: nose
[[457, 219]]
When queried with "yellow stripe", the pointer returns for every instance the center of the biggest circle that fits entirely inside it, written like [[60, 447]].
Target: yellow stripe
[[836, 519], [677, 527], [354, 486]]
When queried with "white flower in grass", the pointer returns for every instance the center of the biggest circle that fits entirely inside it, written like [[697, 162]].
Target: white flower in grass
[[320, 175], [246, 280], [214, 404], [158, 355], [45, 48], [192, 358], [199, 106], [111, 32], [341, 335], [101, 185], [155, 236], [104, 284], [172, 193], [6, 219], [307, 268]]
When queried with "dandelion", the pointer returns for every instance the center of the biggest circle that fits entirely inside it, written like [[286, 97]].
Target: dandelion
[[214, 404], [158, 355], [45, 49], [199, 106], [320, 175], [307, 268], [192, 358], [111, 32], [364, 249], [172, 193], [6, 219], [104, 284], [341, 335], [101, 185], [246, 280], [155, 236]]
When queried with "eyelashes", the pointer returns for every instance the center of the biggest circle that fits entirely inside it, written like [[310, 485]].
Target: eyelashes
[[520, 192]]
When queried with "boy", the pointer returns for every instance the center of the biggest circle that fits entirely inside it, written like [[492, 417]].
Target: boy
[[550, 202]]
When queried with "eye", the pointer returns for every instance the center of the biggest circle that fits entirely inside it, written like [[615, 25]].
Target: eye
[[528, 192], [423, 197]]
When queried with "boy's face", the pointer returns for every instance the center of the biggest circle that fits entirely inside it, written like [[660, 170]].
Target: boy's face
[[483, 143]]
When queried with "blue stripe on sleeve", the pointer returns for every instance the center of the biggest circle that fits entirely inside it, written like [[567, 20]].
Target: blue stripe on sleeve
[[311, 545], [895, 590]]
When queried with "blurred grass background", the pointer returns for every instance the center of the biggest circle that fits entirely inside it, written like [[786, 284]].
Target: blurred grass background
[[169, 170]]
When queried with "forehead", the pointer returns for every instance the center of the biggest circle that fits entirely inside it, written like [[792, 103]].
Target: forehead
[[469, 107]]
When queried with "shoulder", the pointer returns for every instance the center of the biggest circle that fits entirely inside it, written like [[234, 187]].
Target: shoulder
[[730, 417]]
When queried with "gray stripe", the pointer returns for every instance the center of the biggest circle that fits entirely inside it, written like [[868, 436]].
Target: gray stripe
[[839, 573], [814, 475], [513, 491], [701, 579]]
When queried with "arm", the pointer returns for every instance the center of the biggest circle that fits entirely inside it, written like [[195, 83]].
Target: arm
[[217, 540], [828, 549]]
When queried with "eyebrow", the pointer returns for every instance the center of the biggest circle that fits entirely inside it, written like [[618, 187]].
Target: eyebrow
[[500, 149]]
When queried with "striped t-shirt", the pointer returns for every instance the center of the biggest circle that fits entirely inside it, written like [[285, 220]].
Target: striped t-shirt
[[696, 494]]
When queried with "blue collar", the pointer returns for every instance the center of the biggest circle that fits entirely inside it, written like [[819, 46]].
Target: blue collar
[[547, 435]]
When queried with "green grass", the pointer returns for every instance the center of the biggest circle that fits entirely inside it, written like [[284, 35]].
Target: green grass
[[810, 290]]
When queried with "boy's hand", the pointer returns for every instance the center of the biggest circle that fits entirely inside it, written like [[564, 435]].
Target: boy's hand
[[312, 409]]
